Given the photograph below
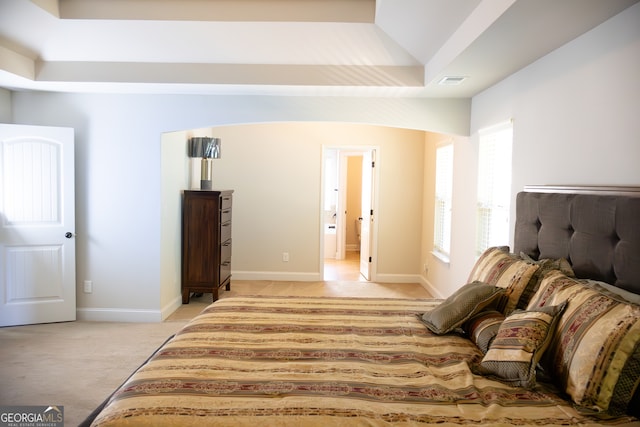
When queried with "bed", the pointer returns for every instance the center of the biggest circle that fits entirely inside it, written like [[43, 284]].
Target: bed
[[526, 342]]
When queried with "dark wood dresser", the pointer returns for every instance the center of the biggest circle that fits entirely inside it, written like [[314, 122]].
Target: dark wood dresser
[[206, 242]]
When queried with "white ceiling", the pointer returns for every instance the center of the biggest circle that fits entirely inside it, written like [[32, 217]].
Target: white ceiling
[[387, 48]]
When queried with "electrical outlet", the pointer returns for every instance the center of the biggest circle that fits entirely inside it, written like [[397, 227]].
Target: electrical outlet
[[285, 256], [88, 286]]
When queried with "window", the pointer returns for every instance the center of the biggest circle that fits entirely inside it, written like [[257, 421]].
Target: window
[[494, 186], [444, 190]]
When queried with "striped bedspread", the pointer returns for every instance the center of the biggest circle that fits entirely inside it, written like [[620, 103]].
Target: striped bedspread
[[262, 361]]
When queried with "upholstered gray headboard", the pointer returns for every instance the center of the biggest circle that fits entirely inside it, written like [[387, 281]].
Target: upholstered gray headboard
[[596, 229]]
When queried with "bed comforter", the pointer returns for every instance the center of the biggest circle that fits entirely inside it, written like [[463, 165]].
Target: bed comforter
[[324, 362]]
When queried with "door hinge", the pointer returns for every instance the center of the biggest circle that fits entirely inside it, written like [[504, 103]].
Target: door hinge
[[371, 212], [369, 259], [373, 164]]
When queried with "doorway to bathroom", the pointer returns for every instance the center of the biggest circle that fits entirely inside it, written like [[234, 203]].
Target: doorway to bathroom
[[347, 213]]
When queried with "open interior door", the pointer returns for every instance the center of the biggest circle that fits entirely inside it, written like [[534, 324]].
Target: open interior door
[[368, 163], [37, 225]]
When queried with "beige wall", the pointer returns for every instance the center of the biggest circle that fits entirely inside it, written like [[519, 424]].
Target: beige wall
[[275, 171]]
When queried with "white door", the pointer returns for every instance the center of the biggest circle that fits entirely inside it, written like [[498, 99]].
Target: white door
[[37, 225], [368, 163]]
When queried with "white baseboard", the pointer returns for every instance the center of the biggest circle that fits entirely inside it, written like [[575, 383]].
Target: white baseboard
[[168, 309], [150, 316], [430, 288], [118, 315], [287, 276]]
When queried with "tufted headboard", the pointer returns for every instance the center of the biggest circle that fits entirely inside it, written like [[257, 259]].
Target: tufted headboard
[[596, 228]]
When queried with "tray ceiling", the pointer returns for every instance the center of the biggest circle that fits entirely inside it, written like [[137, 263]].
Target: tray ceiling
[[390, 48]]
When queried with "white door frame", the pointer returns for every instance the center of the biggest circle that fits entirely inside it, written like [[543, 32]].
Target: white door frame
[[355, 150], [367, 213]]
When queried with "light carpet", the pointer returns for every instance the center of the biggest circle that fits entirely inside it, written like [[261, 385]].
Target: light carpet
[[76, 364]]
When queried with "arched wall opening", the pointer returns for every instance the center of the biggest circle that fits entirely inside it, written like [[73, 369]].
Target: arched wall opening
[[275, 170]]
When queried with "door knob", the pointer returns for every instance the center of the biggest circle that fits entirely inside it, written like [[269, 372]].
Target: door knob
[[68, 235]]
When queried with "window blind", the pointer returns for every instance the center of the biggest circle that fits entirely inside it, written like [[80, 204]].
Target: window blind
[[444, 190], [494, 186]]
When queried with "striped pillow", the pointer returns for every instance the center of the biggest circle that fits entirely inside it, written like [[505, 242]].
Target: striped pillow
[[595, 351], [545, 266], [483, 328], [519, 345], [496, 266]]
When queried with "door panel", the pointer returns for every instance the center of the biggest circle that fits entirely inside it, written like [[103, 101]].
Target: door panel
[[37, 225]]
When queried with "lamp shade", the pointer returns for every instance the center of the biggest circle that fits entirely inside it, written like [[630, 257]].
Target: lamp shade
[[204, 147]]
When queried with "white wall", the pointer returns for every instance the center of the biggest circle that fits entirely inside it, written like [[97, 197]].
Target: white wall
[[575, 115], [121, 244], [575, 122], [5, 106], [174, 176], [438, 277]]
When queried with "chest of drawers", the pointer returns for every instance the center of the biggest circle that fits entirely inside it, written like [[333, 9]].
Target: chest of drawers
[[206, 242]]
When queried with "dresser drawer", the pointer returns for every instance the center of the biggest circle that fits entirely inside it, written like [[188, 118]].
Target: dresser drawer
[[225, 215], [225, 251], [225, 232], [225, 272], [225, 261], [225, 201]]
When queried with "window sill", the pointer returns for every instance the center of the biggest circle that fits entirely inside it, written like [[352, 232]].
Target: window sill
[[441, 257]]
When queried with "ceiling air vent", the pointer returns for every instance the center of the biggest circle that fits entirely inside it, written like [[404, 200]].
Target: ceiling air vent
[[451, 80]]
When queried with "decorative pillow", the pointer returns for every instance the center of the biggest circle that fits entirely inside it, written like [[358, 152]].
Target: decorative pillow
[[545, 266], [595, 351], [460, 306], [483, 328], [610, 290], [520, 343], [496, 266]]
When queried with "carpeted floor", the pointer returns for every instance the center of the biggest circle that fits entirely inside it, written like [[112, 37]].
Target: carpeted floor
[[76, 364]]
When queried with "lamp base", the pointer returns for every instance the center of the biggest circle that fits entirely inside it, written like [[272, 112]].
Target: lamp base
[[206, 174], [206, 184]]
